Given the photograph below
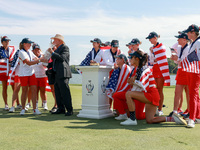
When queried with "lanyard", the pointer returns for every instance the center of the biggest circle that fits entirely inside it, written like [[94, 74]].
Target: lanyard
[[28, 54], [182, 49], [113, 55]]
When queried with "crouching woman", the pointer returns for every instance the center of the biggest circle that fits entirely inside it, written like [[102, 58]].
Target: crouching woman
[[150, 96]]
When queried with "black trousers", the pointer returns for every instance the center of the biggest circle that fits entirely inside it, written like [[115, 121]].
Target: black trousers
[[63, 95]]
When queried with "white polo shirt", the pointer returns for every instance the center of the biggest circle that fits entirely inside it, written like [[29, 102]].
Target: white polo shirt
[[40, 70], [24, 69]]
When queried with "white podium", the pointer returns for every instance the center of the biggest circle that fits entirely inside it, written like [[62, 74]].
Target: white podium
[[95, 103]]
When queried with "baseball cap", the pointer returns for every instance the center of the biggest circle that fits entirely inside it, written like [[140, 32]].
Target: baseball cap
[[107, 43], [96, 40], [36, 46], [135, 41], [134, 54], [128, 44], [115, 43], [122, 56], [182, 35], [5, 38], [192, 28], [152, 35], [26, 40]]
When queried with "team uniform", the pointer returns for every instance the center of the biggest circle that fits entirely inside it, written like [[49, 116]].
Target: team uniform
[[120, 90], [191, 65], [40, 74], [181, 76], [147, 83], [108, 57], [6, 57], [160, 68], [26, 72], [92, 55]]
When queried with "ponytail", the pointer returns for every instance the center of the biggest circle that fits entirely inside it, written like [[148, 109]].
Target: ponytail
[[142, 62], [143, 59], [21, 46]]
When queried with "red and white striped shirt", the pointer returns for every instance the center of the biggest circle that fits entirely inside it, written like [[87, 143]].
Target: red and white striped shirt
[[146, 80], [160, 55]]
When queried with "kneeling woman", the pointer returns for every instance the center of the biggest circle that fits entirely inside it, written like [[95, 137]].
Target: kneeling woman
[[150, 96]]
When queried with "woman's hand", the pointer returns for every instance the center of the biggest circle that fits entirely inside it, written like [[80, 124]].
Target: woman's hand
[[174, 57], [131, 80], [43, 59], [115, 66], [92, 61]]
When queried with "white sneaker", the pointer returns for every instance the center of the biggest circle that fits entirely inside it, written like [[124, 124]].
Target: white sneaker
[[28, 105], [6, 107], [197, 121], [191, 123], [159, 112], [178, 119], [122, 117], [37, 112], [45, 106], [12, 109], [22, 112], [19, 106], [129, 122]]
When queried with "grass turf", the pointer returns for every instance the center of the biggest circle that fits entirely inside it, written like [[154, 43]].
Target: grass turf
[[59, 132]]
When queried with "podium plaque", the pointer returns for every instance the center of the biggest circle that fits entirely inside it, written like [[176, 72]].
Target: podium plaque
[[95, 103]]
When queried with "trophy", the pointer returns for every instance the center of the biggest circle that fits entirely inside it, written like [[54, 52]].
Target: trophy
[[47, 55]]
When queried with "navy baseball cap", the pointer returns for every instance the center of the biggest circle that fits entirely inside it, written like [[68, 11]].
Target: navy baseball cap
[[128, 44], [5, 38], [134, 54], [192, 28], [97, 40], [152, 35], [107, 43], [135, 41], [26, 40], [115, 43], [122, 56], [182, 35], [36, 46]]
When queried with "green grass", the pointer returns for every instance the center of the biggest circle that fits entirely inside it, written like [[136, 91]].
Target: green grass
[[59, 132]]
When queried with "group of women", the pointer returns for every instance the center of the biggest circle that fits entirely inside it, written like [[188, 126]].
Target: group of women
[[25, 69], [147, 76], [135, 95]]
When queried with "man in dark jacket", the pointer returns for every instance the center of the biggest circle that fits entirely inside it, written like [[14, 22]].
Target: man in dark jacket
[[62, 75]]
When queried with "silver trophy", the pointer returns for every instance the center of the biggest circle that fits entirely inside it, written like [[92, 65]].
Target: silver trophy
[[47, 54]]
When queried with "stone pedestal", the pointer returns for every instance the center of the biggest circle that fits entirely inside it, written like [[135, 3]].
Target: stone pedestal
[[95, 103]]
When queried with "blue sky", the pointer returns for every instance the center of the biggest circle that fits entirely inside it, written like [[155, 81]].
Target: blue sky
[[80, 21]]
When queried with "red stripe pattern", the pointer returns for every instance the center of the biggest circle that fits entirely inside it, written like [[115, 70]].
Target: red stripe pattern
[[122, 84], [147, 79], [4, 66], [160, 55], [48, 88], [193, 67]]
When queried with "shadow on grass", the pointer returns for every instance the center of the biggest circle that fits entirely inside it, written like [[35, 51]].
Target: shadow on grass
[[111, 123], [85, 123], [45, 116]]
